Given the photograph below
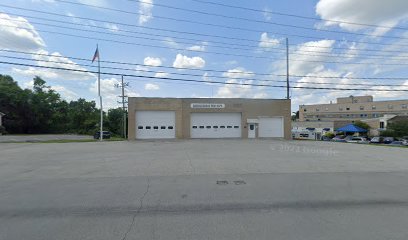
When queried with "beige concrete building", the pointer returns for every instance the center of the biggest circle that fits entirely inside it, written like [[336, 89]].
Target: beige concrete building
[[380, 124], [352, 108], [156, 118]]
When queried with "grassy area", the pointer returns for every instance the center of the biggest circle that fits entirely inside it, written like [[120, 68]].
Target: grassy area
[[113, 139]]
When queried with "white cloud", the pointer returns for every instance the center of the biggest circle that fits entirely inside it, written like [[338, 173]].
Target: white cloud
[[171, 42], [18, 34], [103, 3], [151, 61], [161, 74], [151, 87], [267, 42], [31, 71], [387, 13], [56, 60], [141, 69], [145, 11], [112, 27], [198, 48], [45, 1], [182, 61], [235, 89], [238, 73], [65, 93], [307, 63], [267, 14], [236, 85], [110, 93]]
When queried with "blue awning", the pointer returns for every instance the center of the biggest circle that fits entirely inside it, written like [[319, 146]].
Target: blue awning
[[351, 128]]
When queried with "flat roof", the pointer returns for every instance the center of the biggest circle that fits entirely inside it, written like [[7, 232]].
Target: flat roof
[[255, 99]]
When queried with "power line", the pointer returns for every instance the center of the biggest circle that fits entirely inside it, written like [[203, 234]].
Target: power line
[[198, 75], [206, 52], [371, 56], [204, 70], [217, 25], [298, 16], [347, 55], [218, 77], [224, 16], [202, 81], [188, 33]]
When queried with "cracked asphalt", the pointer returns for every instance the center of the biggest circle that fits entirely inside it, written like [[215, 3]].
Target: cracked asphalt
[[270, 189]]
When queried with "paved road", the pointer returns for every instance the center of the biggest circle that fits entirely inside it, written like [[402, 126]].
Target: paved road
[[41, 137], [54, 192]]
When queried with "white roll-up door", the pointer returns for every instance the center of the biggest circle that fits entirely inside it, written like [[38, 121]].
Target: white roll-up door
[[215, 125], [155, 124], [271, 127]]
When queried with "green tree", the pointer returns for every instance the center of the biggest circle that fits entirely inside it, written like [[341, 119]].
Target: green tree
[[44, 104], [400, 128], [83, 116], [42, 110], [295, 116], [115, 121], [362, 125], [14, 102]]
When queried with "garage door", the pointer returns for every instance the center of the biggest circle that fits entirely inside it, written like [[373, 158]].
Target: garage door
[[215, 125], [155, 124], [271, 127]]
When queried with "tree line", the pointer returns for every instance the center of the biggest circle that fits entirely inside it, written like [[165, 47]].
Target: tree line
[[42, 110]]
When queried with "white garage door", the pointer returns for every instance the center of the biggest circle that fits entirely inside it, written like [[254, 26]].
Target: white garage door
[[155, 124], [271, 127], [215, 125]]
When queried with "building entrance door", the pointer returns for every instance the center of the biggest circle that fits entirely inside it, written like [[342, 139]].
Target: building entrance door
[[251, 130]]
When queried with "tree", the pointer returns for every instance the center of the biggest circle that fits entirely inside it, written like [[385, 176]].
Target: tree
[[42, 110], [83, 116], [362, 125], [14, 103], [115, 121], [399, 128], [44, 104], [295, 116]]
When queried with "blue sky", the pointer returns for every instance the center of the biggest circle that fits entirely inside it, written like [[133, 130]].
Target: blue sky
[[243, 55]]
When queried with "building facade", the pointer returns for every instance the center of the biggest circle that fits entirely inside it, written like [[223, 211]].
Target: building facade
[[158, 118], [352, 108]]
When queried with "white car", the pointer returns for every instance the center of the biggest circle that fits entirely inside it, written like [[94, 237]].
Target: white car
[[358, 140]]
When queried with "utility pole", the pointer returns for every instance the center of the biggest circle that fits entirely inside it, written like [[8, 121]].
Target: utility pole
[[287, 69], [123, 85]]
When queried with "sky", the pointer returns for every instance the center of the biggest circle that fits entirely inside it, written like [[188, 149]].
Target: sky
[[332, 43]]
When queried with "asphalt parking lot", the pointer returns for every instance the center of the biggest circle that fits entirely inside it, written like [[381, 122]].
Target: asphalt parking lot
[[203, 189]]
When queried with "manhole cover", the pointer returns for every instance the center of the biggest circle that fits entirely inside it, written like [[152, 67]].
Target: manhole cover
[[239, 182], [223, 182]]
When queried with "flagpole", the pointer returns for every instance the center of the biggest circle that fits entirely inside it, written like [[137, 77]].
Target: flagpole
[[99, 93]]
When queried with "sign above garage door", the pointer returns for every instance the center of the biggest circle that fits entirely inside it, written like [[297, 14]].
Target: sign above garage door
[[207, 105]]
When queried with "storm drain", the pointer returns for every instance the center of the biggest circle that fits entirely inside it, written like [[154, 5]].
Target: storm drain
[[239, 182], [225, 182]]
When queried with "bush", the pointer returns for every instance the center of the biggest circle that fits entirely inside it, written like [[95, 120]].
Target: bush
[[330, 135], [388, 133], [362, 125], [399, 128], [2, 130]]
